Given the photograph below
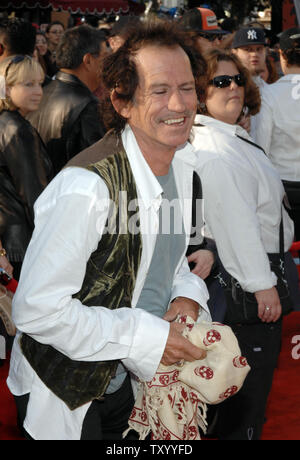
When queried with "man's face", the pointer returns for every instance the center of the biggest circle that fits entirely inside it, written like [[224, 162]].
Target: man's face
[[207, 42], [164, 106], [253, 57], [55, 33]]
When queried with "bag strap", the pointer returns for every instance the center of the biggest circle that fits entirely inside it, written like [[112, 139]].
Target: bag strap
[[281, 238], [251, 143], [197, 195]]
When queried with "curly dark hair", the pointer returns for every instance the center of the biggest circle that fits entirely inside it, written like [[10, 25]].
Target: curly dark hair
[[252, 94], [292, 56], [77, 42], [18, 36], [119, 70]]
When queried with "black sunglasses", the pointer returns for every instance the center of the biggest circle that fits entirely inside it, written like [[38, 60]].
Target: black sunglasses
[[15, 60], [211, 37], [223, 81]]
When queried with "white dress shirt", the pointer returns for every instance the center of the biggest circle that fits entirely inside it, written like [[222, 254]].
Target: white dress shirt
[[243, 196], [69, 220], [260, 82], [278, 125]]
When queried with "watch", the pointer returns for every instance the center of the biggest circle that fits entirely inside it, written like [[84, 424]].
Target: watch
[[2, 252]]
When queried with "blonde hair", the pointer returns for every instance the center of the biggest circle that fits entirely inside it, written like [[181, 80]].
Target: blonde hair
[[18, 72]]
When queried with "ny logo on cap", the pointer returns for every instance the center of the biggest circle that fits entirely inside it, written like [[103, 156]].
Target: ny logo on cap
[[252, 35]]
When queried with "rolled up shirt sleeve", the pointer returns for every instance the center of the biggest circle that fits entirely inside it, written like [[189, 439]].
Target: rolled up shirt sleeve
[[70, 217]]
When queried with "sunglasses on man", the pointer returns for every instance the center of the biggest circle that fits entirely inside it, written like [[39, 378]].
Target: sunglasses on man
[[211, 37], [223, 81]]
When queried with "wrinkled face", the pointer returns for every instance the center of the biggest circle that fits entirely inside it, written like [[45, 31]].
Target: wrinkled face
[[165, 101], [55, 33], [27, 95], [41, 44], [253, 57], [225, 104]]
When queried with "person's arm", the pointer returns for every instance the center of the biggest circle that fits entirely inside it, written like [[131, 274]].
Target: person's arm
[[202, 259], [69, 224], [264, 123], [25, 162], [189, 295], [231, 215], [4, 263]]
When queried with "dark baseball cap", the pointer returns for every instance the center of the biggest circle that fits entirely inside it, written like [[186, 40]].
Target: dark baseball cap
[[290, 38], [249, 36], [201, 20]]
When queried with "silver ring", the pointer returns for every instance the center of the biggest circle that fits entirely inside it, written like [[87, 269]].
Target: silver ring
[[268, 308]]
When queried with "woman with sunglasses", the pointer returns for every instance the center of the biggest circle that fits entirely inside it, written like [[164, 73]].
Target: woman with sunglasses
[[243, 198], [24, 165]]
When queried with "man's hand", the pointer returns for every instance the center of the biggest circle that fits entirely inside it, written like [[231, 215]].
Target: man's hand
[[179, 348], [203, 260], [184, 307], [269, 307]]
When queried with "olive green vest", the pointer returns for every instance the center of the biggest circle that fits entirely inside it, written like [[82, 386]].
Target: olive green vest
[[109, 282]]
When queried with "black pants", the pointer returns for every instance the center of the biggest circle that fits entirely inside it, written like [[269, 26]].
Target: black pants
[[242, 416], [104, 420], [8, 339], [293, 193], [107, 419]]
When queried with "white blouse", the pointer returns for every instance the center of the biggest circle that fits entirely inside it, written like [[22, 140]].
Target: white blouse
[[243, 195]]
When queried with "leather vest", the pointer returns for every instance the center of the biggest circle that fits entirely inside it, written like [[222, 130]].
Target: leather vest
[[109, 282]]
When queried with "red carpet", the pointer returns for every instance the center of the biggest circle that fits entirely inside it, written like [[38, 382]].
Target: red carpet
[[8, 428], [283, 413]]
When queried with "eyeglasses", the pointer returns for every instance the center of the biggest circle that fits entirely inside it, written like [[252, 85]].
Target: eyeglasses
[[210, 37], [223, 81], [56, 32], [15, 60]]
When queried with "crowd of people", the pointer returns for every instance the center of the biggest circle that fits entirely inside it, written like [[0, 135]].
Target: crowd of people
[[177, 111]]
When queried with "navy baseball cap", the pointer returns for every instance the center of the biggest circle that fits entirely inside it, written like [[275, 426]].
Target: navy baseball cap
[[249, 36], [290, 38]]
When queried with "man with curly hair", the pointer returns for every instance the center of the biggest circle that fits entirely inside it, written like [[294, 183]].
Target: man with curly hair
[[109, 280]]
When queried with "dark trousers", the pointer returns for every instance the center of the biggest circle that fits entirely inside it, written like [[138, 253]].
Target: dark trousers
[[107, 419], [242, 416], [104, 420], [293, 193]]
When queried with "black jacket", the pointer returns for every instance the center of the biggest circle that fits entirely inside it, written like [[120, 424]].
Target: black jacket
[[25, 170], [68, 119]]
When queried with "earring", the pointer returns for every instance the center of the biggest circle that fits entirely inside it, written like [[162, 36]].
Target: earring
[[245, 110]]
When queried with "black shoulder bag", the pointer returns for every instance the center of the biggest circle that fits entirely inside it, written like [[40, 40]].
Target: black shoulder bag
[[242, 306]]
